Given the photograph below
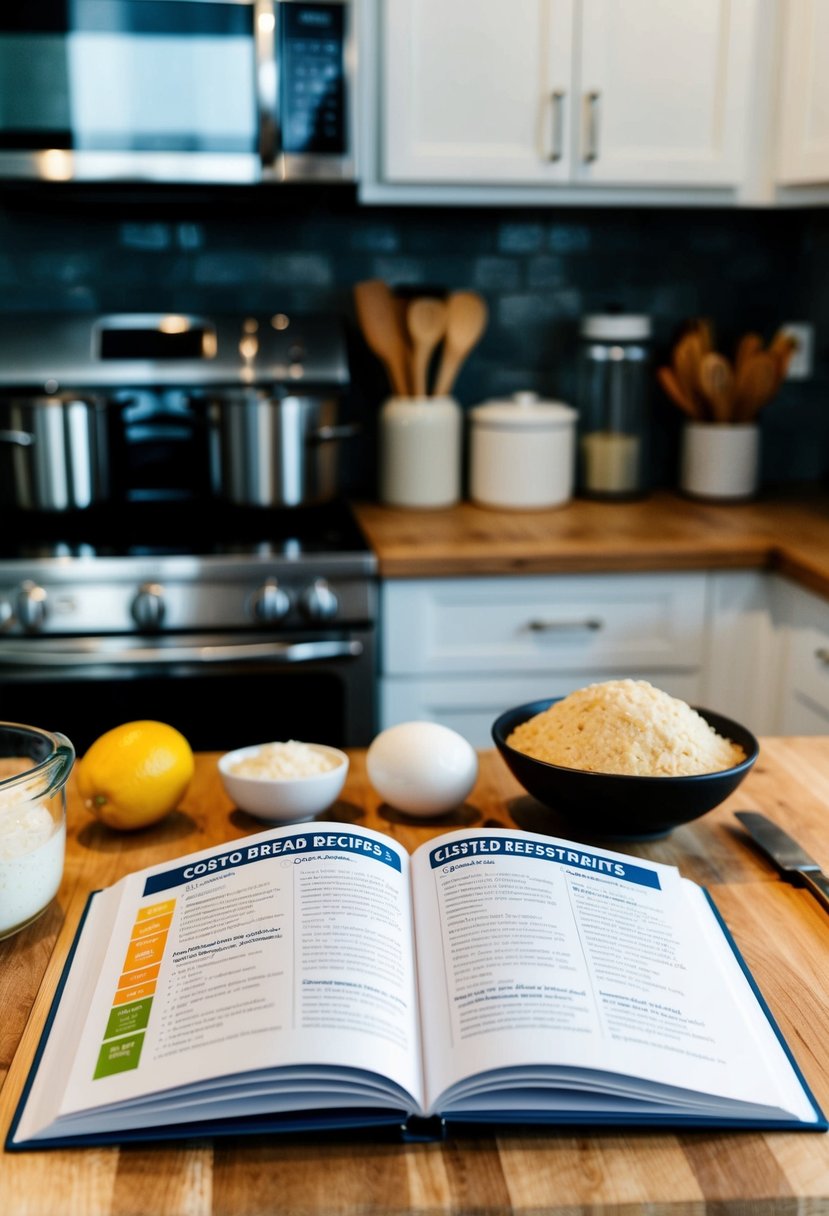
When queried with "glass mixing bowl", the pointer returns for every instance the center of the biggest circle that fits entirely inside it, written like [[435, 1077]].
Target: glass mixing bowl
[[34, 767]]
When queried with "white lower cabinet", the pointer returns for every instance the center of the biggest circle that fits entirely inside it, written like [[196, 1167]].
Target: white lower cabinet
[[461, 650], [803, 694], [745, 643]]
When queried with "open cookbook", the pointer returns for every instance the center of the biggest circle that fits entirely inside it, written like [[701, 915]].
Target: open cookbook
[[318, 977]]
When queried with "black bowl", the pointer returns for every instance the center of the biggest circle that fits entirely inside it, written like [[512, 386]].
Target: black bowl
[[615, 806]]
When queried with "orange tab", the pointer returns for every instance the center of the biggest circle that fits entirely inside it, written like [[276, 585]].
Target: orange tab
[[124, 995], [145, 950], [146, 928], [141, 976]]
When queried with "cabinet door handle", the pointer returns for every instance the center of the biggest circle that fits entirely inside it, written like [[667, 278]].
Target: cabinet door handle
[[557, 125], [591, 126], [588, 625], [822, 655]]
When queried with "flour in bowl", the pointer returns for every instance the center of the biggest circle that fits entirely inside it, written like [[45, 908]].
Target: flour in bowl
[[627, 727], [279, 761]]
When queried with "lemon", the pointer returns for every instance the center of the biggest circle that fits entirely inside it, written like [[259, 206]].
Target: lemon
[[135, 774]]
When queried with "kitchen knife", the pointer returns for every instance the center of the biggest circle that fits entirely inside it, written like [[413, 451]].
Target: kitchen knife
[[795, 865]]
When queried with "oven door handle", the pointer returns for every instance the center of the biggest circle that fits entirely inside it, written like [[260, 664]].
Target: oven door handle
[[81, 653]]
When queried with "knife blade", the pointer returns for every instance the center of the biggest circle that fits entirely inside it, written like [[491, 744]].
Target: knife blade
[[794, 863]]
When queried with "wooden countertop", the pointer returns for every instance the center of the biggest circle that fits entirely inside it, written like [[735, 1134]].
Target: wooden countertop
[[788, 532], [782, 932]]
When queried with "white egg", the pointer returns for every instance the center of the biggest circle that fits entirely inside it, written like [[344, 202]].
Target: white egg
[[422, 768]]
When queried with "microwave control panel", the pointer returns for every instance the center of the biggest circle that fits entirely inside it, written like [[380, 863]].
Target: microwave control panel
[[312, 78]]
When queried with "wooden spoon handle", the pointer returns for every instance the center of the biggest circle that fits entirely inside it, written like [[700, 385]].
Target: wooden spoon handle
[[450, 364], [667, 378]]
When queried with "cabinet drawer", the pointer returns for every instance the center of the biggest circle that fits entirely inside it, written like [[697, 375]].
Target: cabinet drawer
[[471, 704], [628, 623]]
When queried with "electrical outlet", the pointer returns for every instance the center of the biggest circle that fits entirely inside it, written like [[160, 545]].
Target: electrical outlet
[[801, 364]]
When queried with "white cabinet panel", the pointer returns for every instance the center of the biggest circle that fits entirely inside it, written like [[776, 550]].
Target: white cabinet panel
[[627, 623], [804, 698], [803, 137], [476, 90], [664, 91]]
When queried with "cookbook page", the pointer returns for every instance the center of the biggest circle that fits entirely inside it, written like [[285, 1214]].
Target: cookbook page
[[535, 951], [291, 947]]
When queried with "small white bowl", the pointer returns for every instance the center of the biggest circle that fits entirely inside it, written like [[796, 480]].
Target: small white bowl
[[283, 799]]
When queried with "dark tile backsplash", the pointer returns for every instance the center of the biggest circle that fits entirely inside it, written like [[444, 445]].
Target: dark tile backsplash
[[540, 269]]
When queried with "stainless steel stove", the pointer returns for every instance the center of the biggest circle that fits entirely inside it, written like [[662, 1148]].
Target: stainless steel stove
[[237, 623]]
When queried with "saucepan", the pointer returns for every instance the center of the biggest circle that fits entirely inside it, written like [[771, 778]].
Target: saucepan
[[54, 452], [277, 451]]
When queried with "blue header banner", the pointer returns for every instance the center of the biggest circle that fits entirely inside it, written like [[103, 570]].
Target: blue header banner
[[458, 851], [266, 850]]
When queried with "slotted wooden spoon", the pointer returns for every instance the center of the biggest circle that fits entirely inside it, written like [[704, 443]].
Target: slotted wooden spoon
[[716, 380], [379, 319], [426, 321], [466, 318]]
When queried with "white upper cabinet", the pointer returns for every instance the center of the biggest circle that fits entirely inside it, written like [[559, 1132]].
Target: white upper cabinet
[[565, 92], [477, 90], [663, 91], [803, 133]]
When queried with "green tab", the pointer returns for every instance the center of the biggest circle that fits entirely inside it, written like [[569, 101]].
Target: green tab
[[126, 1019], [119, 1056]]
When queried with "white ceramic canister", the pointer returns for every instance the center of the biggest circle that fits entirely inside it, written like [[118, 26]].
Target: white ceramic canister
[[522, 453], [420, 451]]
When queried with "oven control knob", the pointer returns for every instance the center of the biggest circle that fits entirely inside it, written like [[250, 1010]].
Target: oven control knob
[[31, 607], [148, 606], [319, 603], [270, 603]]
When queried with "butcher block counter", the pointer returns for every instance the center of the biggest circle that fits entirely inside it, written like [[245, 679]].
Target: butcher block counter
[[781, 930], [786, 531]]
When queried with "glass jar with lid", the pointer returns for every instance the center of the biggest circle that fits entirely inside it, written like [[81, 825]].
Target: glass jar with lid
[[613, 390]]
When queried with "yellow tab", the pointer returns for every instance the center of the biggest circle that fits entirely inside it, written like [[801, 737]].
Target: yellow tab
[[162, 909]]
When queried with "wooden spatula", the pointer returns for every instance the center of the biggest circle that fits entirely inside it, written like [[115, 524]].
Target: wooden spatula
[[465, 323], [379, 320], [426, 321]]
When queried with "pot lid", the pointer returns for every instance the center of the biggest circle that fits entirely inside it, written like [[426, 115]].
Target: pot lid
[[524, 411]]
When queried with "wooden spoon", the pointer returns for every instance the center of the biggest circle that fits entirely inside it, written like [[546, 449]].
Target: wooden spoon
[[379, 320], [749, 345], [757, 383], [465, 323], [782, 347], [687, 357], [670, 382], [716, 379], [426, 321]]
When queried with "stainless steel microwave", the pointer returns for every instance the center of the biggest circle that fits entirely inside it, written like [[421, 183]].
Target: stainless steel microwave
[[224, 91]]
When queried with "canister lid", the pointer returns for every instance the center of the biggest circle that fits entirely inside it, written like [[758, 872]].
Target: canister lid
[[616, 327], [525, 411]]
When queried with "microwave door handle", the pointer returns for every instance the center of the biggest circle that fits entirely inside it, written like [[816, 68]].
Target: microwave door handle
[[82, 654], [265, 35]]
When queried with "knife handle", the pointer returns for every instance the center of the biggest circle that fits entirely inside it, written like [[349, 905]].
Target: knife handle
[[818, 884]]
